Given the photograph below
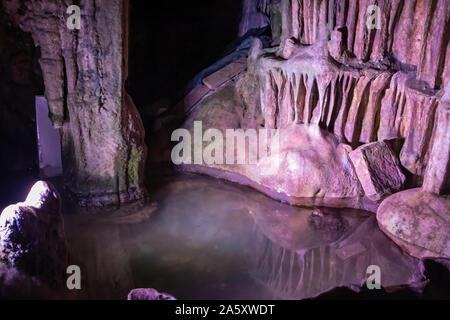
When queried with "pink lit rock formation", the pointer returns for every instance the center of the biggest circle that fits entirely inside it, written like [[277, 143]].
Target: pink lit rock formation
[[84, 73], [333, 85]]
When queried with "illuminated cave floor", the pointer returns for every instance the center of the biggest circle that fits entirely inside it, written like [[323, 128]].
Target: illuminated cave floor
[[209, 239]]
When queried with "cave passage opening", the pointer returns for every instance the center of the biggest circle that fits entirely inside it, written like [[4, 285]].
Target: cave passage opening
[[20, 83], [169, 44]]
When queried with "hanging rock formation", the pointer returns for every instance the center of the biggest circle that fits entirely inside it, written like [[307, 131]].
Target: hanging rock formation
[[84, 72], [330, 85]]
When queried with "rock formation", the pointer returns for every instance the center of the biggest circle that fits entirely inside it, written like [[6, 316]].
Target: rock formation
[[359, 93], [32, 237], [84, 73], [335, 77], [148, 294]]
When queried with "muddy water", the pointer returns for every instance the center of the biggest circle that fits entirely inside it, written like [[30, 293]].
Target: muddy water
[[202, 238]]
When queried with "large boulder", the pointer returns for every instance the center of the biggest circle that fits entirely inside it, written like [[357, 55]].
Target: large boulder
[[32, 238], [418, 221]]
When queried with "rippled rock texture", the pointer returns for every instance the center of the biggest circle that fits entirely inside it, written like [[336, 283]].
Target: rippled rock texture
[[84, 73]]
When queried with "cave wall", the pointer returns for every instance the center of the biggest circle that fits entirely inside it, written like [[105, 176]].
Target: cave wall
[[84, 73], [362, 113], [364, 84], [414, 34]]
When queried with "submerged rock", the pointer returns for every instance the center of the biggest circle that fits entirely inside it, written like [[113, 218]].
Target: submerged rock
[[418, 221], [32, 237]]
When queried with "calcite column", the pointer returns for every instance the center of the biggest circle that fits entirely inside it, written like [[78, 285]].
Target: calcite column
[[84, 73]]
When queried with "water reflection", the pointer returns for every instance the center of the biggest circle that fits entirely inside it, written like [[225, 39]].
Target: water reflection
[[207, 239]]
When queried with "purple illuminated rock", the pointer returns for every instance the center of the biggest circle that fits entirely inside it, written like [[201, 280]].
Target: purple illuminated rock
[[418, 221], [32, 238], [378, 169], [148, 294]]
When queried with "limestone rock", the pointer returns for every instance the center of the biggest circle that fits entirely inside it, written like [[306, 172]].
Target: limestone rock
[[32, 237], [84, 71], [414, 33], [351, 85], [378, 169], [287, 48], [148, 294], [310, 167], [418, 221]]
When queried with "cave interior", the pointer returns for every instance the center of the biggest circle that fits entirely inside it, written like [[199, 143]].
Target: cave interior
[[225, 149]]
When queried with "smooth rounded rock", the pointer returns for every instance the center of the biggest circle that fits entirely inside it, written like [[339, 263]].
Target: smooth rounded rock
[[418, 221]]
